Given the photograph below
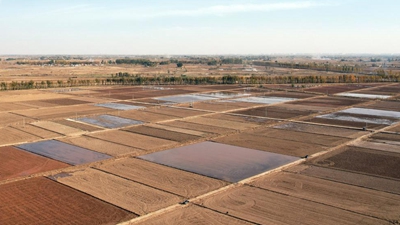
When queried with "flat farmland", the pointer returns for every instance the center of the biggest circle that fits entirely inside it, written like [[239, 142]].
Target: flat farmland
[[199, 127], [221, 123], [31, 95], [133, 140], [355, 179], [320, 129], [11, 135], [124, 193], [361, 200], [64, 112], [289, 94], [277, 112], [161, 133], [266, 207], [241, 118], [334, 89], [77, 125], [65, 101], [178, 112], [42, 201], [345, 123], [16, 163], [192, 215], [58, 128], [385, 105], [102, 146], [165, 178], [9, 106], [7, 119], [395, 129], [389, 137], [332, 102], [146, 116], [286, 147], [220, 106], [179, 130], [36, 131], [379, 146], [362, 160]]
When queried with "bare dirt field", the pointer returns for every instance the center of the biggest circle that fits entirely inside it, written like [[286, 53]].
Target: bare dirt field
[[77, 125], [7, 119], [334, 89], [11, 135], [145, 116], [316, 139], [8, 106], [386, 137], [286, 147], [65, 101], [64, 112], [172, 180], [277, 112], [385, 105], [58, 128], [288, 94], [221, 123], [102, 146], [361, 200], [17, 163], [241, 118], [265, 207], [124, 193], [192, 214], [330, 101], [161, 133], [179, 130], [220, 106], [199, 127], [173, 111], [345, 123], [320, 129], [395, 129], [133, 140], [43, 201], [36, 131], [356, 179], [362, 160], [379, 146]]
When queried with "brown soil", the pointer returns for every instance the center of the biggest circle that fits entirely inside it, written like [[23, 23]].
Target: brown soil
[[77, 125], [178, 112], [221, 123], [356, 199], [175, 181], [8, 106], [36, 131], [17, 163], [333, 89], [275, 112], [199, 127], [385, 105], [218, 106], [7, 119], [192, 215], [58, 128], [299, 95], [179, 130], [240, 118], [362, 160], [145, 116], [133, 140], [161, 133], [101, 146], [286, 147], [65, 101], [356, 179], [11, 135], [386, 136], [379, 146], [124, 193], [64, 112], [320, 129], [347, 123], [395, 129], [317, 139], [42, 201], [265, 207], [31, 95], [330, 101]]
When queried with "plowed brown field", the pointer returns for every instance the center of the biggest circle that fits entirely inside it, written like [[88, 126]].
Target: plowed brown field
[[199, 127], [129, 195], [42, 201], [161, 133], [165, 178], [18, 163]]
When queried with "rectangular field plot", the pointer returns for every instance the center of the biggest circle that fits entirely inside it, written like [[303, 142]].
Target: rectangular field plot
[[218, 106], [221, 123], [266, 207], [36, 131], [334, 89], [241, 118], [289, 94], [58, 128], [224, 94], [134, 140], [109, 121], [119, 106], [176, 112], [360, 95], [264, 100], [329, 102], [385, 105], [356, 199], [356, 179], [179, 130], [226, 162], [172, 180], [161, 133], [10, 135], [280, 146], [8, 119], [9, 106], [146, 116], [43, 201], [102, 146], [65, 101], [199, 127], [388, 138], [186, 98], [319, 129], [64, 112], [63, 152], [379, 146], [18, 163], [363, 160], [278, 112], [124, 193], [363, 116], [192, 215], [77, 125]]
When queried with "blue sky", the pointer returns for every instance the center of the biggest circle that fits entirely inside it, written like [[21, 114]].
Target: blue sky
[[199, 27]]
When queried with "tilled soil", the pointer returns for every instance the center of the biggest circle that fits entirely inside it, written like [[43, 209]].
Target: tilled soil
[[347, 123], [175, 181], [58, 128], [145, 116], [17, 163], [161, 133], [199, 127], [11, 135], [43, 201], [221, 123], [80, 126], [266, 207], [275, 112], [361, 200]]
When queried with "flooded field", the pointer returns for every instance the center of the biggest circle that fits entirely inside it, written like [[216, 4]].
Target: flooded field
[[119, 106], [359, 95], [220, 161], [109, 121], [264, 100]]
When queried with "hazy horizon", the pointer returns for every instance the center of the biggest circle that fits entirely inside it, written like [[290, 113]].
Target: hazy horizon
[[220, 27]]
